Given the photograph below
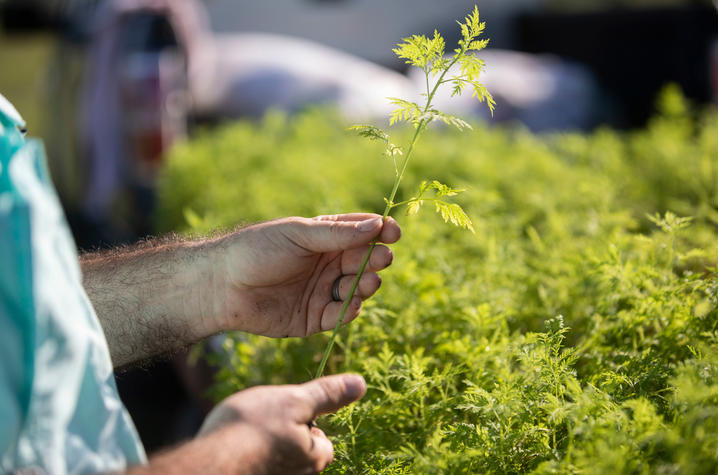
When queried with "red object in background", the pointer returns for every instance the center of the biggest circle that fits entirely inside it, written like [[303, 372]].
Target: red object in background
[[153, 86]]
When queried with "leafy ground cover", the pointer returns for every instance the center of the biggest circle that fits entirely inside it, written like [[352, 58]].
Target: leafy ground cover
[[575, 332]]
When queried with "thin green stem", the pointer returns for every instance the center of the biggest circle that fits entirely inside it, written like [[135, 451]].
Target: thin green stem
[[328, 349], [426, 74], [355, 284], [420, 127]]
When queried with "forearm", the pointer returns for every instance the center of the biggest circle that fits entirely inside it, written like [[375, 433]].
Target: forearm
[[152, 299], [232, 450]]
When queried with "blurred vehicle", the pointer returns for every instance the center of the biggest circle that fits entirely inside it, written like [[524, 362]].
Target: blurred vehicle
[[366, 28]]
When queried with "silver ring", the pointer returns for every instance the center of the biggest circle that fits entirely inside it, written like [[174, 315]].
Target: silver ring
[[335, 290]]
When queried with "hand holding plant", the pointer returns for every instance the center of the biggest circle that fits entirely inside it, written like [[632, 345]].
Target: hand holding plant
[[275, 278], [427, 54]]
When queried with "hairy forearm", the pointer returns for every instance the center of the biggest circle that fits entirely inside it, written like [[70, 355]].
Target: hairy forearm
[[152, 298], [234, 450]]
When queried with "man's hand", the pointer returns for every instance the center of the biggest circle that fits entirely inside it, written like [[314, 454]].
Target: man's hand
[[264, 430], [277, 277], [273, 279]]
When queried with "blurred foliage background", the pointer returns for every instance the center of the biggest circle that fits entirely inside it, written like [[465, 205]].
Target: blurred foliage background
[[23, 77], [575, 331]]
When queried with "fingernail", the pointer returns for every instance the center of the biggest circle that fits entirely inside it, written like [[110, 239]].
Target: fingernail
[[355, 385], [368, 224]]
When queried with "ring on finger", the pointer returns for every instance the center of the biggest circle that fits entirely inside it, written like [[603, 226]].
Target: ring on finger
[[335, 290]]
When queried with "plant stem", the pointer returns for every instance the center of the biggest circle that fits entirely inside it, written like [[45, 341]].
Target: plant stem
[[420, 127], [355, 284]]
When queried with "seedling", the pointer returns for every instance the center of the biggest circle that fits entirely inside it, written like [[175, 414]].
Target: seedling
[[427, 54]]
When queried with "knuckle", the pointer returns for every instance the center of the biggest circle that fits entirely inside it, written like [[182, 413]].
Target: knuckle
[[334, 228], [294, 399], [330, 391]]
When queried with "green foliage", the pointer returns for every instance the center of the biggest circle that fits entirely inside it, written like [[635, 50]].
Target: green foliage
[[423, 53], [448, 211], [575, 332], [428, 54]]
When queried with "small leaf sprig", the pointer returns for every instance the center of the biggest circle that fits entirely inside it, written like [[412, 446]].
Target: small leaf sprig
[[427, 54]]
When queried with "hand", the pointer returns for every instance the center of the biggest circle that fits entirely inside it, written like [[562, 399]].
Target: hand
[[268, 425], [276, 278]]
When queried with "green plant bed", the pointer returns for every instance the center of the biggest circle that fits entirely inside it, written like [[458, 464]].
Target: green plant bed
[[575, 332]]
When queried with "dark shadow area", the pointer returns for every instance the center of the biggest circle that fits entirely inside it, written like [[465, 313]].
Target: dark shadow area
[[632, 53]]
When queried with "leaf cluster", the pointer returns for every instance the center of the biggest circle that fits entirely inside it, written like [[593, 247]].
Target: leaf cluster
[[448, 211], [428, 54], [470, 65], [424, 53]]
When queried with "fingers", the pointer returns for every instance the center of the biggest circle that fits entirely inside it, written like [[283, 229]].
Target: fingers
[[381, 258], [368, 285], [322, 451], [341, 232], [331, 312], [390, 232], [347, 217], [330, 393]]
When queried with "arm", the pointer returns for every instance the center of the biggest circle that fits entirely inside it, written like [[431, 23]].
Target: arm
[[263, 430], [273, 279], [150, 298]]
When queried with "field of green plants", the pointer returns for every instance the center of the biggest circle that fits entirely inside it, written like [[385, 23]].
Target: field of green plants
[[574, 332]]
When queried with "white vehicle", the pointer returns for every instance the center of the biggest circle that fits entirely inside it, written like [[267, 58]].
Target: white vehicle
[[365, 28]]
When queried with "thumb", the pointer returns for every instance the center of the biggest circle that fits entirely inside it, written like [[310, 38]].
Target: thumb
[[336, 233], [331, 393]]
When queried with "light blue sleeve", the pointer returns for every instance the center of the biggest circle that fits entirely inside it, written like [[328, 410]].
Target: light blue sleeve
[[60, 411], [16, 304]]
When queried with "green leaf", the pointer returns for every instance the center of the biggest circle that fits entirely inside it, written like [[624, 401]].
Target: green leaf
[[370, 132], [471, 67], [478, 45], [375, 133], [669, 222], [454, 213], [406, 112], [442, 189], [472, 26], [482, 94], [422, 52], [449, 119], [458, 87], [414, 206], [449, 211]]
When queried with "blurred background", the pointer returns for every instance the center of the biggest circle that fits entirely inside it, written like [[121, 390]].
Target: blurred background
[[112, 85]]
